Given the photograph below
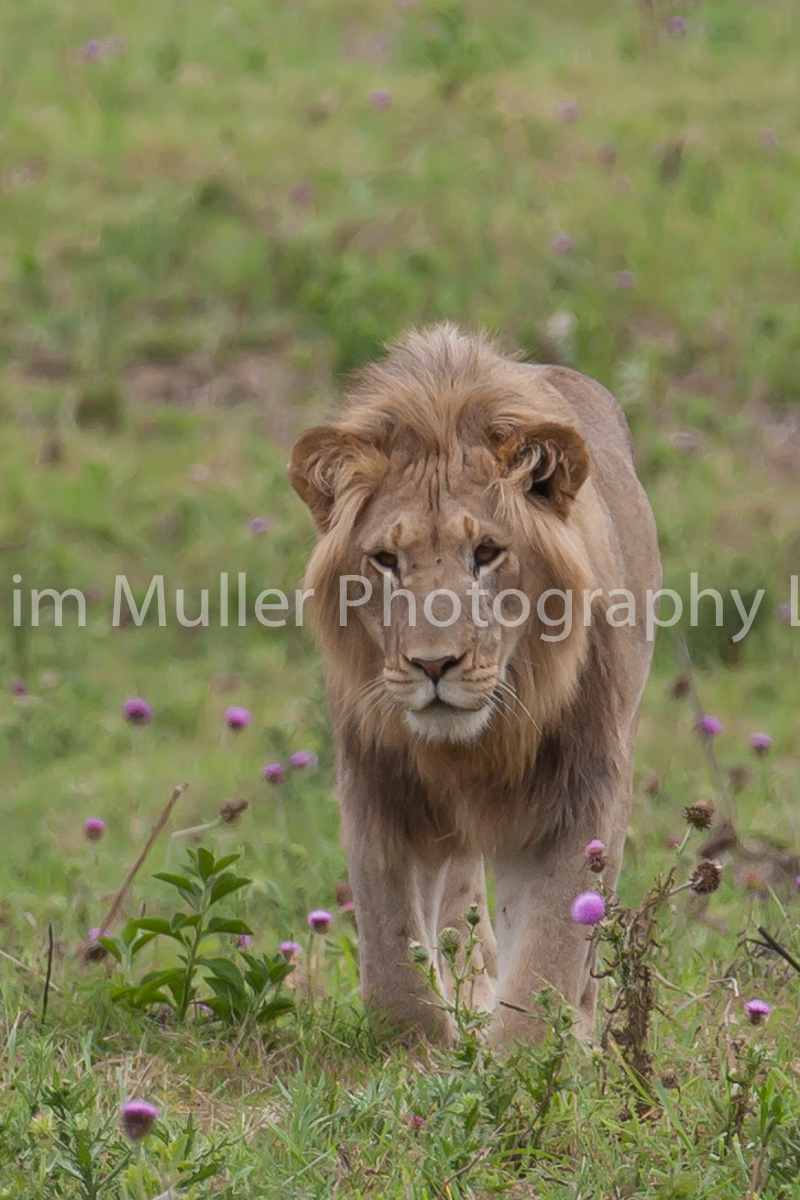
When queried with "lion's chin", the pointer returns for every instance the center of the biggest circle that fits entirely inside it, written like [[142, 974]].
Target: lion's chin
[[444, 723]]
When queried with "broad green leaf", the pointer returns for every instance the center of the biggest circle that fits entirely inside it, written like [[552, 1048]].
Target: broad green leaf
[[228, 925], [225, 885], [205, 863]]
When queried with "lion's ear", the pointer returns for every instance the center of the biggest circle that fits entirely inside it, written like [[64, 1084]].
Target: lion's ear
[[548, 461], [327, 464]]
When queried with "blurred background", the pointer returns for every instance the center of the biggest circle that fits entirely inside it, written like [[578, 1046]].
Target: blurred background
[[210, 213]]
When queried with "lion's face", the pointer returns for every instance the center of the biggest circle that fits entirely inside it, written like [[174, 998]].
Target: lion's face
[[452, 498], [437, 555]]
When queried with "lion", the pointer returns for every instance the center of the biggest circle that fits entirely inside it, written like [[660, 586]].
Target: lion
[[456, 473]]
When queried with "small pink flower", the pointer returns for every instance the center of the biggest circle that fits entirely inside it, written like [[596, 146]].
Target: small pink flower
[[137, 711], [672, 841], [381, 99], [290, 950], [417, 1122], [94, 829], [18, 686], [302, 194], [709, 726], [273, 773], [303, 760], [320, 920], [567, 112], [625, 280], [95, 932], [138, 1118], [347, 907], [237, 717], [562, 243], [757, 1011], [244, 940], [588, 908], [259, 525], [797, 882], [760, 742], [677, 26], [92, 50]]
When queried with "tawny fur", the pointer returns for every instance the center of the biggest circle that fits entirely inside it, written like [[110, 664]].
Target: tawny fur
[[442, 443]]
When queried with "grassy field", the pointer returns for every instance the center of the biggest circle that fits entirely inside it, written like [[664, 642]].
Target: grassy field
[[208, 214]]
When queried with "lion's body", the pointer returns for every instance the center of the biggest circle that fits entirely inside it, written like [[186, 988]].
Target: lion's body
[[472, 740]]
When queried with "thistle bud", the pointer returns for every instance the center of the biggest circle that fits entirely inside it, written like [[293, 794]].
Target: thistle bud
[[449, 941], [417, 953], [473, 916], [596, 856]]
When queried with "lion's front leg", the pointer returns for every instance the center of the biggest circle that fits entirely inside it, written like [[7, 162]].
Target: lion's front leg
[[462, 884], [396, 894], [539, 943]]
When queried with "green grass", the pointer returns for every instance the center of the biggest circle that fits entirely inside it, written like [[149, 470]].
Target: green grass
[[170, 316]]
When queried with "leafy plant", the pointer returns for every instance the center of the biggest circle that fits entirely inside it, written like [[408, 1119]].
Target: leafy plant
[[251, 996]]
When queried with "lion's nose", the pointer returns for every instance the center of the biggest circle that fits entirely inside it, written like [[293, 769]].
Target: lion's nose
[[434, 668]]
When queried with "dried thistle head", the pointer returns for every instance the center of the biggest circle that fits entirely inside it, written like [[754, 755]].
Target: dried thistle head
[[669, 1079], [701, 814], [680, 686], [706, 877], [231, 810]]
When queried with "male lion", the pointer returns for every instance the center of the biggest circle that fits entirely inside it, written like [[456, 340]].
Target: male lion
[[472, 736]]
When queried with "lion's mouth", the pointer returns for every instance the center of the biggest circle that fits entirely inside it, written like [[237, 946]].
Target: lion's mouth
[[439, 721]]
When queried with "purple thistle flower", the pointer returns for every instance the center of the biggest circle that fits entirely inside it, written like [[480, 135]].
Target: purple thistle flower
[[205, 1009], [567, 112], [138, 1118], [18, 686], [760, 742], [757, 1011], [273, 773], [588, 908], [94, 829], [677, 26], [381, 98], [92, 50], [237, 717], [417, 1121], [302, 194], [243, 941], [595, 852], [303, 760], [137, 711], [625, 280], [320, 920], [562, 243], [259, 525], [289, 950], [709, 726]]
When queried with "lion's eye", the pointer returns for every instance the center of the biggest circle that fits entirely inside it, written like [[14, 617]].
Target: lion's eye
[[385, 559], [486, 554]]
